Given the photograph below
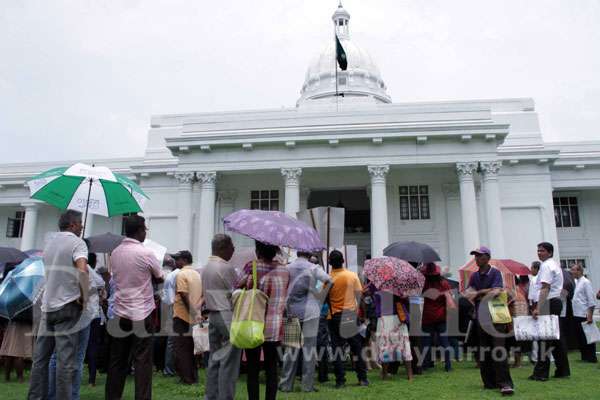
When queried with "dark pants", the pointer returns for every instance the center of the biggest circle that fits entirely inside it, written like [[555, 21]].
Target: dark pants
[[588, 351], [271, 358], [322, 350], [559, 351], [183, 347], [493, 355], [127, 337], [224, 363], [92, 349], [338, 340], [436, 330], [56, 334]]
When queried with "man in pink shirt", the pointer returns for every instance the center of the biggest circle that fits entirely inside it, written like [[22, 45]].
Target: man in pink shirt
[[133, 269]]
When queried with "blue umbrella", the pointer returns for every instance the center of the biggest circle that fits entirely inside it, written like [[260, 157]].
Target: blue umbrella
[[21, 286]]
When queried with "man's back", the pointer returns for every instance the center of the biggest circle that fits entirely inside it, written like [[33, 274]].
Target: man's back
[[133, 266], [342, 295], [301, 300], [188, 282], [62, 278], [218, 280]]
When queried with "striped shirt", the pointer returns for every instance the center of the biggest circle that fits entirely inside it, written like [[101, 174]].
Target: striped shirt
[[273, 280]]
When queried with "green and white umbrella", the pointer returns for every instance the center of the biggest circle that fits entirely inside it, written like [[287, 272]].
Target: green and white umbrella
[[85, 188]]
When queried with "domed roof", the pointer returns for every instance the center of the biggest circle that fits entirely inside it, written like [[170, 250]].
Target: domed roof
[[361, 79]]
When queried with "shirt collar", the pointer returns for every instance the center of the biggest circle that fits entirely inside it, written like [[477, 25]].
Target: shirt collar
[[487, 272], [131, 240], [216, 258]]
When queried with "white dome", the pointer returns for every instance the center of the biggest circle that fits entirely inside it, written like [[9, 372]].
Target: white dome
[[361, 79]]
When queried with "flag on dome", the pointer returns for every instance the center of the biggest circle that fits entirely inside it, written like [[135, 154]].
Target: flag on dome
[[340, 54]]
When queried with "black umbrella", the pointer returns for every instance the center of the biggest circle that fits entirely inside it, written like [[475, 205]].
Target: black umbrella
[[104, 243], [412, 252], [12, 255]]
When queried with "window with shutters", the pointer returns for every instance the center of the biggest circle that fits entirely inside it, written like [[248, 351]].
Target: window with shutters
[[566, 211], [568, 262], [14, 227], [414, 202], [267, 200]]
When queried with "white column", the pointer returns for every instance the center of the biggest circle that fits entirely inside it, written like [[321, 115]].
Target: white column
[[292, 190], [493, 212], [226, 200], [184, 209], [468, 205], [304, 194], [29, 225], [206, 220], [379, 214]]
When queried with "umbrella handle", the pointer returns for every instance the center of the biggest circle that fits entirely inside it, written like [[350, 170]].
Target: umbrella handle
[[87, 206]]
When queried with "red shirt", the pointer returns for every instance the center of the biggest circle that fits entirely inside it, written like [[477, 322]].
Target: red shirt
[[434, 309]]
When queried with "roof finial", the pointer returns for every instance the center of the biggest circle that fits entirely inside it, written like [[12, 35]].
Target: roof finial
[[340, 4]]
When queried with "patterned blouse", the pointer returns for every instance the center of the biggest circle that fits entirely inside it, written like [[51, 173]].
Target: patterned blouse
[[273, 280]]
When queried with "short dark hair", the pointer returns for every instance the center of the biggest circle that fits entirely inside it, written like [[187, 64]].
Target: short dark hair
[[336, 259], [133, 224], [219, 242], [266, 251], [547, 246], [185, 255], [67, 218]]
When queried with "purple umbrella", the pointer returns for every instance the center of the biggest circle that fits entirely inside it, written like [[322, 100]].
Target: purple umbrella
[[274, 227], [12, 255]]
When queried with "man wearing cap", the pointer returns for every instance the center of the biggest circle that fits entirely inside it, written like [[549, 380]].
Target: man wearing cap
[[484, 285], [186, 312]]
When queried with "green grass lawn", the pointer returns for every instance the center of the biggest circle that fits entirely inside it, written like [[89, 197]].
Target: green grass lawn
[[462, 383]]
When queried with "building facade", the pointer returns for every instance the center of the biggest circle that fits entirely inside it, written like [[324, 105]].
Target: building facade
[[453, 174]]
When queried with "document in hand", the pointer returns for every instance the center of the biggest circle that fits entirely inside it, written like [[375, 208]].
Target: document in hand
[[592, 333], [545, 327]]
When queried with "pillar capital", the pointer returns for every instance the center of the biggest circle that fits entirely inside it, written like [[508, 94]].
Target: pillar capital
[[465, 170], [208, 179], [378, 173], [291, 175], [490, 169], [185, 178]]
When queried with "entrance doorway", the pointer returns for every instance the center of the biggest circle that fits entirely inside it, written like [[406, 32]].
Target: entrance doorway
[[357, 218]]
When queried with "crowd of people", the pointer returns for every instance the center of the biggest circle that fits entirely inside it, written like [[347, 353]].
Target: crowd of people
[[143, 314]]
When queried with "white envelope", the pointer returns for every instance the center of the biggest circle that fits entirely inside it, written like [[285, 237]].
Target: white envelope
[[592, 333], [544, 328]]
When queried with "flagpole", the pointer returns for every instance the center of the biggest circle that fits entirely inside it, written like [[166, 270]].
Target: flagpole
[[335, 57]]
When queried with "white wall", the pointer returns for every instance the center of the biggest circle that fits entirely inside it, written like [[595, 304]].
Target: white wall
[[582, 242], [527, 211]]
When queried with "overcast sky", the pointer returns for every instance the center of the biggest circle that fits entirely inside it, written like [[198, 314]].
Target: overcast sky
[[81, 78]]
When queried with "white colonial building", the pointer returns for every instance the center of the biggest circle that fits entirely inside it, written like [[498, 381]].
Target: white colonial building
[[452, 174]]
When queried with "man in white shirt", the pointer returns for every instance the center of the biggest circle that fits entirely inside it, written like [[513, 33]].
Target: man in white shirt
[[549, 282], [584, 303], [533, 293], [167, 299]]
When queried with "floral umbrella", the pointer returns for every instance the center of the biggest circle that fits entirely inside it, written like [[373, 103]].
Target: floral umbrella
[[394, 275]]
